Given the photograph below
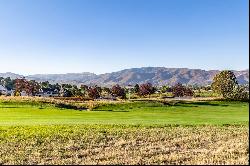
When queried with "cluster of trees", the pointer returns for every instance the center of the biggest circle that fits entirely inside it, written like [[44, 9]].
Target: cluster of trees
[[224, 83], [32, 88]]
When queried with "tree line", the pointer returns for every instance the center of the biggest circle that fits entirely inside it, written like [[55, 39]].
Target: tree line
[[224, 83]]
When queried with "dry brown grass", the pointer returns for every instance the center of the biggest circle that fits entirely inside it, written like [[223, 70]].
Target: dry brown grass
[[59, 102], [89, 104], [53, 100], [88, 144]]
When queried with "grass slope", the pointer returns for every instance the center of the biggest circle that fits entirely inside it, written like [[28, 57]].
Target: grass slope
[[145, 113]]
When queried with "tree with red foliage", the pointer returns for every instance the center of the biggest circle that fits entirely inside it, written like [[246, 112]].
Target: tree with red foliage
[[30, 87], [178, 90], [146, 89], [118, 91], [93, 92], [20, 84]]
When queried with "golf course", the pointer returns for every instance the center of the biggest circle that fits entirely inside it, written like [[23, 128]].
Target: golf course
[[139, 132], [130, 113]]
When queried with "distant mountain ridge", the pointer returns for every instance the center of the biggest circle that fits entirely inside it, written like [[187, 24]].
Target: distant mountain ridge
[[11, 75], [155, 75], [72, 78]]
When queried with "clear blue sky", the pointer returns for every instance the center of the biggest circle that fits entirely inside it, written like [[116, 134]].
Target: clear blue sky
[[65, 36]]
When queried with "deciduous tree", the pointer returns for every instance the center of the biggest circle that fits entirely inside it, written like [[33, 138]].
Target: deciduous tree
[[224, 83], [118, 91], [178, 90], [93, 92], [146, 89], [136, 88]]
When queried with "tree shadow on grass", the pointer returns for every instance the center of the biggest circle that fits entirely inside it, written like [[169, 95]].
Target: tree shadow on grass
[[110, 111], [191, 103], [195, 104], [183, 105], [11, 107]]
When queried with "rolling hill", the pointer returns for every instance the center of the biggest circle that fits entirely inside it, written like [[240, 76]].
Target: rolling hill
[[154, 75]]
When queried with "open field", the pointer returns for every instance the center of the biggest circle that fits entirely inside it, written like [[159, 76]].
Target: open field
[[116, 144], [139, 132]]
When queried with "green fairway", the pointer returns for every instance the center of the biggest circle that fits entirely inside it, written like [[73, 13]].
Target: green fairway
[[142, 113]]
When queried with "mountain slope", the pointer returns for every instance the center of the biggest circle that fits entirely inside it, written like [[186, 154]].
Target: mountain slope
[[154, 75], [11, 75], [161, 75], [73, 78]]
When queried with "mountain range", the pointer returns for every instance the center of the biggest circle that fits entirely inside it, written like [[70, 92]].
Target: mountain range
[[155, 75]]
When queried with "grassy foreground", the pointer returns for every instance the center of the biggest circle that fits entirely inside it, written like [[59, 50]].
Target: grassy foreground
[[211, 132], [148, 113], [116, 144]]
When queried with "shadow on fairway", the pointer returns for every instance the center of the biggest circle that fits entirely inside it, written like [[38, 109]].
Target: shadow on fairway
[[109, 111], [12, 107], [185, 105], [195, 104]]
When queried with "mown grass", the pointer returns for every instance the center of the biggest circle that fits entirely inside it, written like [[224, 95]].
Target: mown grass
[[124, 144], [149, 113]]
